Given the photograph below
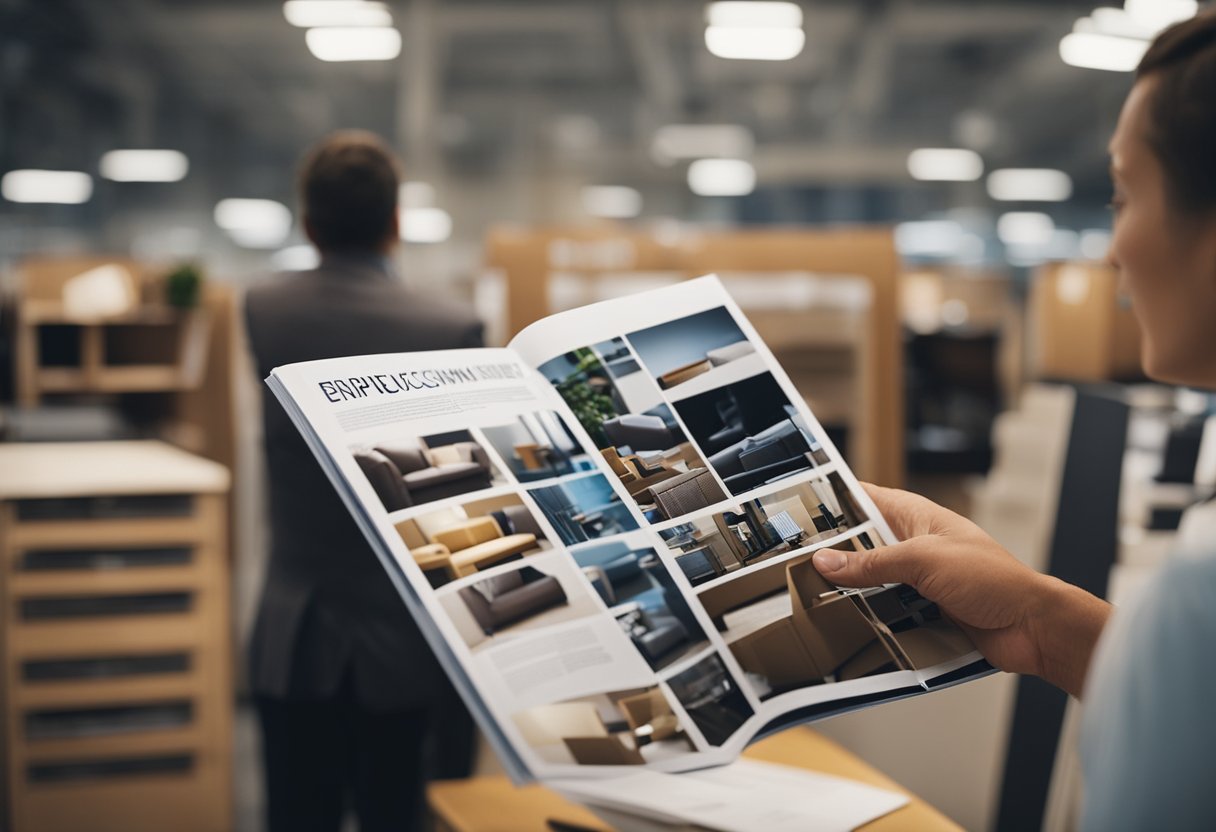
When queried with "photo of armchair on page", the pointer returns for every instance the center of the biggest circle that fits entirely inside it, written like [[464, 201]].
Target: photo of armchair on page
[[606, 532]]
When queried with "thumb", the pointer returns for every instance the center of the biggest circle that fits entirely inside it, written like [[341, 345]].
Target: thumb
[[897, 564]]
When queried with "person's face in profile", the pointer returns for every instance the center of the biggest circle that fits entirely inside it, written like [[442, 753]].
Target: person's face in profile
[[1165, 255]]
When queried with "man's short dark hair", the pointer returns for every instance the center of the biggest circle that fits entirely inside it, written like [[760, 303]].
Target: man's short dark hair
[[1183, 108], [348, 191]]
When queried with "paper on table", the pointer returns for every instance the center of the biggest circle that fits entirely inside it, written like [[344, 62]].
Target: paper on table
[[741, 797]]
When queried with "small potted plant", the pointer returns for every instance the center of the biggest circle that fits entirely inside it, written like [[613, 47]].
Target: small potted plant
[[183, 286]]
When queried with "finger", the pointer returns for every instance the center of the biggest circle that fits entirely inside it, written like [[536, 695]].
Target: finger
[[911, 515], [898, 564]]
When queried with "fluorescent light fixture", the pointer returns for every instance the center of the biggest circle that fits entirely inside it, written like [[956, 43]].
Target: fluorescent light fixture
[[144, 165], [753, 14], [299, 258], [755, 43], [1095, 243], [1029, 185], [614, 202], [1091, 50], [721, 177], [353, 44], [254, 223], [941, 164], [1025, 229], [1110, 21], [1060, 244], [309, 14], [62, 187], [416, 194], [929, 238], [425, 225], [700, 141], [1155, 15]]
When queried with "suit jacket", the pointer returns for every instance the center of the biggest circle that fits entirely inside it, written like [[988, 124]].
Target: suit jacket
[[328, 612]]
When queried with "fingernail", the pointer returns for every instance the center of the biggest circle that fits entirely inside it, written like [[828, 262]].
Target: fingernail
[[829, 560]]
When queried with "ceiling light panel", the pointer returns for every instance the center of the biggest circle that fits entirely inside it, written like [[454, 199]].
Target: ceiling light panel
[[942, 164], [1092, 50], [425, 225], [746, 14], [754, 44], [144, 165], [61, 187], [614, 202], [1025, 228], [254, 223], [721, 177], [310, 14], [353, 44], [1029, 185], [754, 31]]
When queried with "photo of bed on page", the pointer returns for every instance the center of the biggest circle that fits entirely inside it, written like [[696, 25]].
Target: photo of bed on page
[[606, 531]]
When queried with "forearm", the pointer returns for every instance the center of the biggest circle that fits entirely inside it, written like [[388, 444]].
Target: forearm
[[1066, 627]]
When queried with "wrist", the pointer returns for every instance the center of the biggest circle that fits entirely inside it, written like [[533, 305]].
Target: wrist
[[1065, 623]]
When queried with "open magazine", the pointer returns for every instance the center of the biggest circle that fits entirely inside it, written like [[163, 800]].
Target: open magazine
[[605, 531]]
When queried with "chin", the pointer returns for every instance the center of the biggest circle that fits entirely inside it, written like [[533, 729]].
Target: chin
[[1188, 373]]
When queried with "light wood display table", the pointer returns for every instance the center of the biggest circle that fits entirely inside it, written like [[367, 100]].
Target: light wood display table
[[115, 638], [492, 804]]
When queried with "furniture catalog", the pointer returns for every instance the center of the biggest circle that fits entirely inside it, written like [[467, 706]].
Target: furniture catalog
[[605, 531]]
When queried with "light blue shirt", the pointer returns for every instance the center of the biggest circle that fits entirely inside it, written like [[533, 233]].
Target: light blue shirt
[[1148, 735]]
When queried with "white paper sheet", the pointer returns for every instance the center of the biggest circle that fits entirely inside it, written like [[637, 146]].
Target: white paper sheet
[[742, 797]]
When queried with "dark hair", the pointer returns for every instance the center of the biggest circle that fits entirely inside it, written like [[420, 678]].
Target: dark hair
[[348, 189], [1182, 133]]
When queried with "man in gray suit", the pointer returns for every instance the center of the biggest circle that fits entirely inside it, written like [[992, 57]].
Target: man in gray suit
[[346, 687]]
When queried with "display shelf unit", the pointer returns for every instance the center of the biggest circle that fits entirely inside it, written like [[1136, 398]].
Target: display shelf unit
[[114, 638], [152, 348]]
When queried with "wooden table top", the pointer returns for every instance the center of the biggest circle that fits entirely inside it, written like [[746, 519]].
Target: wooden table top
[[492, 804], [30, 470]]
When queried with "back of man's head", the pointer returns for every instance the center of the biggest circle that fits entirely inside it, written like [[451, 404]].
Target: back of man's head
[[348, 191]]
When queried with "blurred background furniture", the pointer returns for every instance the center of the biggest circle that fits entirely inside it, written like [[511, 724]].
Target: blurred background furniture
[[117, 641]]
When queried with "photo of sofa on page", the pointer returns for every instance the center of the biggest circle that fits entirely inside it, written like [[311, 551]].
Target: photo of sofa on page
[[541, 592], [705, 347], [642, 596], [750, 433], [636, 433], [617, 728], [412, 471], [538, 446], [461, 540]]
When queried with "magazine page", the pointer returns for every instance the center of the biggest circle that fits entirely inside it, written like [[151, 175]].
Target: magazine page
[[475, 485], [732, 485]]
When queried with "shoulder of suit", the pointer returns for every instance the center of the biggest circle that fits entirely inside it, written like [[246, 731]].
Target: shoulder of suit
[[443, 308]]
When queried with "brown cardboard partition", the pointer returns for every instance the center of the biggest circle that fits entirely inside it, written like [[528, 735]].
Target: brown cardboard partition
[[1082, 330]]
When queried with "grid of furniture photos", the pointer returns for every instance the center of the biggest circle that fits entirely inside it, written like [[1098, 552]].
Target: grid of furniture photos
[[526, 536]]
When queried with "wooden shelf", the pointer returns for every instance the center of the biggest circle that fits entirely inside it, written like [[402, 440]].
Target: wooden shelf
[[54, 498], [152, 349]]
